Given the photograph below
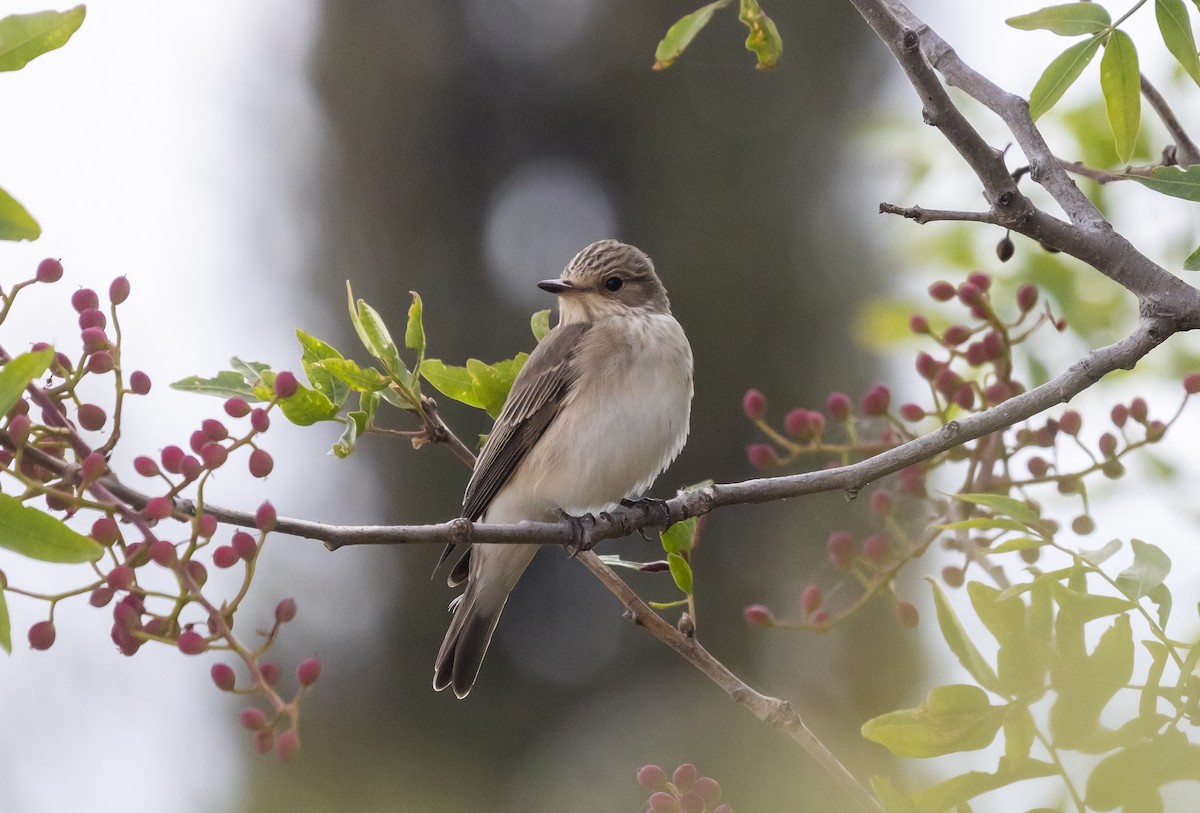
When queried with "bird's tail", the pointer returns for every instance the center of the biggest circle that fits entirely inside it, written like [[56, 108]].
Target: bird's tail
[[493, 574]]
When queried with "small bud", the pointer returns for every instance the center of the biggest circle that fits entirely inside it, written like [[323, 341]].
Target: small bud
[[223, 676], [841, 549], [49, 270], [244, 545], [997, 392], [953, 576], [907, 614], [964, 396], [270, 672], [820, 619], [213, 455], [1119, 415], [91, 417], [912, 412], [171, 457], [875, 401], [876, 548], [264, 741], [760, 455], [285, 611], [707, 789], [197, 572], [308, 671], [838, 406], [663, 802], [1138, 410], [955, 335], [252, 718], [285, 385], [206, 525], [237, 408], [163, 553], [881, 503], [100, 362], [288, 745], [691, 803], [214, 430], [158, 508], [918, 324], [1191, 383], [1113, 469], [756, 615], [1027, 297], [260, 420], [993, 345], [145, 466], [811, 599], [105, 531], [976, 354], [947, 382], [41, 635], [191, 643], [1155, 431], [197, 440], [190, 468], [139, 383], [754, 404], [94, 339], [261, 463], [265, 518], [83, 299], [980, 280], [118, 290], [101, 596], [970, 294], [1083, 525], [684, 777], [1070, 422], [19, 427], [1005, 249], [1038, 466], [120, 577], [225, 557], [651, 777], [1108, 444], [94, 466], [941, 291]]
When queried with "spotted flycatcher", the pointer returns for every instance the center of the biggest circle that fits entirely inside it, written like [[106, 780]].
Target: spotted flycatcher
[[599, 410]]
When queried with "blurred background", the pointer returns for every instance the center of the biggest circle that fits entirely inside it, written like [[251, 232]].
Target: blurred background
[[240, 162]]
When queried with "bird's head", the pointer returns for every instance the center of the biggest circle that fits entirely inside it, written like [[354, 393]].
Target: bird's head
[[608, 278]]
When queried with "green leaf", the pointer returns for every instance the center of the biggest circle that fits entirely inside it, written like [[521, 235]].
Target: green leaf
[[1101, 555], [539, 323], [36, 534], [480, 385], [414, 332], [1068, 20], [1002, 505], [373, 333], [1020, 670], [15, 222], [681, 572], [251, 371], [1084, 685], [1161, 598], [1150, 567], [18, 373], [1148, 704], [986, 523], [450, 381], [1121, 82], [680, 35], [952, 719], [1088, 606], [1173, 181], [343, 447], [1019, 733], [307, 407], [226, 384], [1020, 543], [1176, 29], [763, 39], [678, 538], [5, 625], [954, 793], [1060, 74], [348, 373], [24, 37], [314, 352], [960, 642], [893, 800], [1192, 263], [1131, 778]]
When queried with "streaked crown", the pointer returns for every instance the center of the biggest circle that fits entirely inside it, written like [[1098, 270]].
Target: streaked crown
[[609, 271]]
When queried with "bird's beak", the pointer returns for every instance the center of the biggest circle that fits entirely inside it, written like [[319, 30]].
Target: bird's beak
[[556, 286]]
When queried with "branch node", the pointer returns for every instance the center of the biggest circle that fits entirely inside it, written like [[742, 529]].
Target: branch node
[[687, 626], [950, 430], [460, 530], [910, 39]]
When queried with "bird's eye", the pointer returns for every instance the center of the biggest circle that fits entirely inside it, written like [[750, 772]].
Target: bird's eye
[[614, 284]]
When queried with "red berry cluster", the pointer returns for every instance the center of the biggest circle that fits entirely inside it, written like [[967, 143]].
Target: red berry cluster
[[47, 444], [685, 792]]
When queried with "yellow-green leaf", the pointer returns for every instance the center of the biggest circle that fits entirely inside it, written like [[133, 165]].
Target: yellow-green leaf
[[763, 39], [24, 37], [1121, 82], [15, 222], [681, 572], [5, 624], [680, 35], [1068, 20], [1060, 74], [960, 642], [414, 332], [36, 534], [952, 719], [1174, 181], [1192, 263], [17, 374], [1176, 29], [539, 323], [1003, 505]]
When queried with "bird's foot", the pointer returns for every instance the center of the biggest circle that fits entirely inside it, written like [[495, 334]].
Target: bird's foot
[[657, 509], [579, 532]]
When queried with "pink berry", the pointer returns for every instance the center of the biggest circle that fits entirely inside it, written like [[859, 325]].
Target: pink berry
[[907, 614], [244, 545], [264, 741], [197, 440], [756, 615], [308, 671], [876, 548], [94, 339], [1191, 383], [145, 466], [223, 676], [1108, 444], [980, 280], [811, 599], [163, 553], [100, 362], [158, 508], [918, 324], [288, 745], [1027, 296], [285, 611], [760, 455], [265, 517], [1070, 422], [956, 335], [41, 635], [225, 557], [91, 417], [197, 572], [816, 423], [651, 777], [93, 467], [206, 525], [964, 396], [171, 457], [252, 718], [261, 463], [754, 404], [970, 294], [875, 401], [911, 412], [105, 531], [213, 455], [286, 385], [1138, 410], [191, 643], [118, 290], [83, 299], [49, 270], [237, 408], [797, 424], [691, 803], [190, 468], [838, 406], [214, 429], [927, 366], [139, 383], [881, 503], [684, 777], [841, 549], [941, 291], [92, 318], [663, 802], [1120, 414], [120, 577], [270, 672], [260, 420], [953, 576], [707, 789]]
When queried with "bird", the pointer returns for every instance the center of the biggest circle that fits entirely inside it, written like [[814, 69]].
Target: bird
[[600, 409]]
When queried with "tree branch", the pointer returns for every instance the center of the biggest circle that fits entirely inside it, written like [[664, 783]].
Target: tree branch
[[1186, 152], [923, 216]]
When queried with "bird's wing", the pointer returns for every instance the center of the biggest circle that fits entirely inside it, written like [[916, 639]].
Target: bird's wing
[[536, 397]]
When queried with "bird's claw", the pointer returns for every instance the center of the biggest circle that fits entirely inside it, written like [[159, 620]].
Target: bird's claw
[[579, 532], [657, 509]]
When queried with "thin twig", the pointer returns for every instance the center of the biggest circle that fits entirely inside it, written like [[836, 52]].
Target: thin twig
[[1186, 152], [922, 215]]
